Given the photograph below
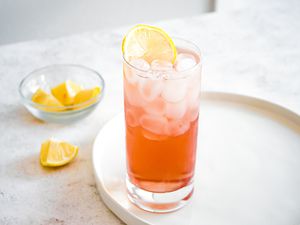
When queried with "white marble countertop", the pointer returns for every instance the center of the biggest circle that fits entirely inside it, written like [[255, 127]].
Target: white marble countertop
[[253, 52]]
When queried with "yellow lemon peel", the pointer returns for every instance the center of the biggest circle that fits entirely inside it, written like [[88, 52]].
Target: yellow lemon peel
[[55, 153]]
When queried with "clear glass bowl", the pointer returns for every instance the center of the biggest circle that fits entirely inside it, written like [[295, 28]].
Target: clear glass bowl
[[49, 77]]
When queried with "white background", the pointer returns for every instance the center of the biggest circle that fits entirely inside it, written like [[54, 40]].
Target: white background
[[22, 20]]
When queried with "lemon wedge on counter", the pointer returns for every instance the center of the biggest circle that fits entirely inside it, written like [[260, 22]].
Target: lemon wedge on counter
[[43, 98], [149, 43], [86, 95], [57, 153], [66, 92]]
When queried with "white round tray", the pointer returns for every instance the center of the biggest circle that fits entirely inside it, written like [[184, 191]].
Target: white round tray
[[247, 171]]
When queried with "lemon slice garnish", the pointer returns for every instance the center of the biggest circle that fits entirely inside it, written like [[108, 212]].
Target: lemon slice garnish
[[66, 92], [149, 43], [43, 98], [57, 153]]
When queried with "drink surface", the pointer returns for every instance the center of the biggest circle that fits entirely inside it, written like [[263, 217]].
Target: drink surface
[[161, 111]]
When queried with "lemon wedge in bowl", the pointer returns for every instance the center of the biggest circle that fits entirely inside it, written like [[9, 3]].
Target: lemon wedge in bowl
[[57, 153], [66, 92], [43, 98], [149, 43], [88, 96]]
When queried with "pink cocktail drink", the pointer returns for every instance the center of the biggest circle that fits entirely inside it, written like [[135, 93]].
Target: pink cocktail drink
[[161, 112]]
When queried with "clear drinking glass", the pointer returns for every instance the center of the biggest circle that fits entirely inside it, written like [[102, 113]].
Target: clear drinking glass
[[161, 114]]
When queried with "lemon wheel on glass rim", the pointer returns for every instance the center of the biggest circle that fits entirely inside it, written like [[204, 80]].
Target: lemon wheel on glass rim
[[149, 43]]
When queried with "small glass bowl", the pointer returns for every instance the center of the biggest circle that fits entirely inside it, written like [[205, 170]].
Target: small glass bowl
[[49, 77]]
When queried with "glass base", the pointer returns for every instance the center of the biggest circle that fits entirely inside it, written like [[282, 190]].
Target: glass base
[[159, 202]]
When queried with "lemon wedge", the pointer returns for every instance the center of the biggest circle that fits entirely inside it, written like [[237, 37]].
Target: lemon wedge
[[43, 98], [57, 153], [86, 95], [65, 92], [149, 43]]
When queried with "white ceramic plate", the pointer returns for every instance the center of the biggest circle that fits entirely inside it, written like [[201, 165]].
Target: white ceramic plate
[[247, 173]]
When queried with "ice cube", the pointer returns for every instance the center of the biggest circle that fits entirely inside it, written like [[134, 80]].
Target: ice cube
[[193, 96], [154, 124], [161, 65], [184, 62], [161, 69], [150, 89], [129, 75], [131, 118], [154, 137], [175, 110], [132, 94], [174, 90], [156, 107], [140, 64], [192, 114], [177, 127], [133, 75]]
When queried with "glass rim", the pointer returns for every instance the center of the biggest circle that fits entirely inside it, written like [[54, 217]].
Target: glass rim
[[198, 51]]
